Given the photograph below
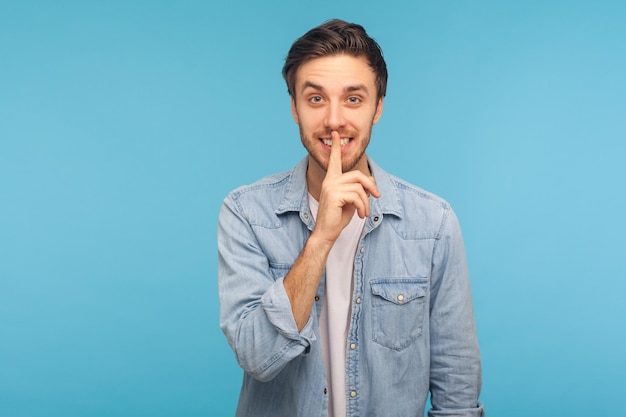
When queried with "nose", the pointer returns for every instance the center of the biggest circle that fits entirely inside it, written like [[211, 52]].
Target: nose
[[334, 116]]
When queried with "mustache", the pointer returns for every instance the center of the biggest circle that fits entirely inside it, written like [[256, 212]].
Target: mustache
[[344, 133]]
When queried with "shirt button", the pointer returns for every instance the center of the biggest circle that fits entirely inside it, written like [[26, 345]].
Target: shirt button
[[358, 300], [352, 346], [376, 218], [362, 249], [352, 394], [317, 298], [401, 298], [325, 390]]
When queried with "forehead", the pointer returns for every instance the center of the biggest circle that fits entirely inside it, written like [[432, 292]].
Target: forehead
[[336, 71]]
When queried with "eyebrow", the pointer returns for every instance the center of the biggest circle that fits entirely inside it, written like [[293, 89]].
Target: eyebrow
[[310, 84], [348, 89], [358, 87]]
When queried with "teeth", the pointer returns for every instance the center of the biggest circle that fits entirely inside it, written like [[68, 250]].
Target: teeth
[[329, 142]]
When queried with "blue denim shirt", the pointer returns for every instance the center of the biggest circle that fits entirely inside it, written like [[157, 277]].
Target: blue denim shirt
[[411, 327]]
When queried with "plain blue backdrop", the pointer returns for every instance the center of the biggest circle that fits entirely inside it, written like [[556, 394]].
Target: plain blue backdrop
[[123, 124]]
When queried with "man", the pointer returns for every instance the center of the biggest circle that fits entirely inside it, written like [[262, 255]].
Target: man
[[344, 290]]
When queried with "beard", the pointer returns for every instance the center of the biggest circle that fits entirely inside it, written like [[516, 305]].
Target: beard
[[311, 145]]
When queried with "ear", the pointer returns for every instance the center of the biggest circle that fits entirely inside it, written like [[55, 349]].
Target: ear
[[379, 110], [294, 111]]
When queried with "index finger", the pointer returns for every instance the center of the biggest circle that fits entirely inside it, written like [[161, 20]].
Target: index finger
[[334, 162]]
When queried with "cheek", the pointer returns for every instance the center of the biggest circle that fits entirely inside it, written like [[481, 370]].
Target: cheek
[[308, 123]]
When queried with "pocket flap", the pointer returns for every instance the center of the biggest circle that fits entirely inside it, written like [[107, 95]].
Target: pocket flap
[[399, 290]]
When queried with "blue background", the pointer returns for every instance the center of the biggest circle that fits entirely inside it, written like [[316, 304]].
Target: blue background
[[124, 124]]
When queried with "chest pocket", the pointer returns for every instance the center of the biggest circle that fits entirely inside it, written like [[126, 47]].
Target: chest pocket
[[398, 308]]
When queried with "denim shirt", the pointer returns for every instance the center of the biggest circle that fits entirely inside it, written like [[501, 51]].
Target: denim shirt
[[411, 327]]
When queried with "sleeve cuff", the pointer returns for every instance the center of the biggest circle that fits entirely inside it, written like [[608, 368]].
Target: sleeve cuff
[[277, 307]]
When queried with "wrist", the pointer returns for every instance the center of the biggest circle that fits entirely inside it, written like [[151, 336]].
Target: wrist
[[318, 244]]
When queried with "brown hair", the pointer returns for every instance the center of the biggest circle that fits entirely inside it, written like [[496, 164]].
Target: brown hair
[[332, 38]]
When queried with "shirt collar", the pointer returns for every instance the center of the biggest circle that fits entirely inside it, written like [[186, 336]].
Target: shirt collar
[[389, 201], [296, 191]]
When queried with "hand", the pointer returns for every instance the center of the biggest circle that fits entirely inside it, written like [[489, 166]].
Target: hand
[[342, 194]]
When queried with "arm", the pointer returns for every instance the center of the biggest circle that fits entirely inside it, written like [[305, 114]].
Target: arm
[[455, 375], [255, 314], [267, 320]]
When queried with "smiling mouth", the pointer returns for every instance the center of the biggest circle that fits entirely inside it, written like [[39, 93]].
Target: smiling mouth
[[329, 142]]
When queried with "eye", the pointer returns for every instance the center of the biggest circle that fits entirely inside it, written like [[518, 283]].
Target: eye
[[315, 99], [354, 100]]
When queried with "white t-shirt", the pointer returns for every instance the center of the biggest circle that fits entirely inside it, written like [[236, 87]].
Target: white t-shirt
[[335, 315]]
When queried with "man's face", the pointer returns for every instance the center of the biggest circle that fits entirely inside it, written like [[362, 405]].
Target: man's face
[[336, 93]]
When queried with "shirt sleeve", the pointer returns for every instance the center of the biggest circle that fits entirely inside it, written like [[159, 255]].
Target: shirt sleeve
[[455, 375], [255, 312]]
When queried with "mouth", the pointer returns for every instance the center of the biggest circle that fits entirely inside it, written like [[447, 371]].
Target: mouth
[[329, 142]]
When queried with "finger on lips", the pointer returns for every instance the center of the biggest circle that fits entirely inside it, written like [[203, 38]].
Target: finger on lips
[[334, 163], [358, 197]]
